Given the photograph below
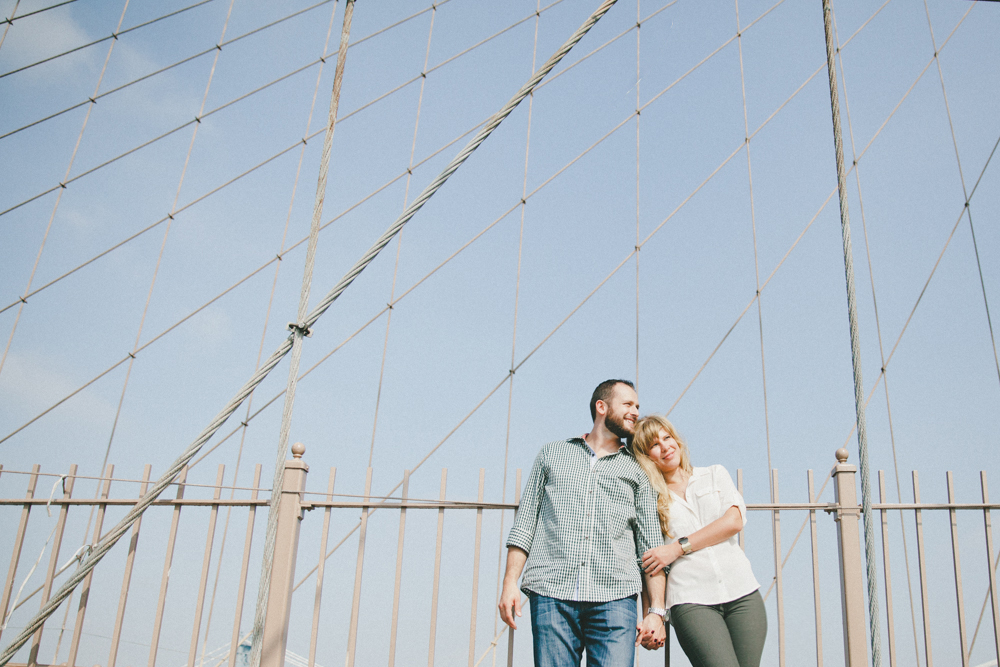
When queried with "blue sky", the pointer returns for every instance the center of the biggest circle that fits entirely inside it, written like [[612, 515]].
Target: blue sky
[[706, 245]]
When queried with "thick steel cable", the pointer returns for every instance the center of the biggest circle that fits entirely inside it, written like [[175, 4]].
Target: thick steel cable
[[881, 350], [89, 562], [399, 240], [298, 332], [859, 397], [263, 336]]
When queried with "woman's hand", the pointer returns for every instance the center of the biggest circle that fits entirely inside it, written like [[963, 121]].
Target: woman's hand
[[658, 558]]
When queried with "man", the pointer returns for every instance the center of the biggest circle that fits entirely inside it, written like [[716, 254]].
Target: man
[[587, 514]]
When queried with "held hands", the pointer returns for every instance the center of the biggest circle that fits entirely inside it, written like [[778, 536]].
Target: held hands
[[658, 558], [651, 632]]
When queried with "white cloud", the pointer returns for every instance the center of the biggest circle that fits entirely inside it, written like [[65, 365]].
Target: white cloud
[[30, 384]]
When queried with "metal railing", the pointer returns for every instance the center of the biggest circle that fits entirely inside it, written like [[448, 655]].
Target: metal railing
[[436, 599]]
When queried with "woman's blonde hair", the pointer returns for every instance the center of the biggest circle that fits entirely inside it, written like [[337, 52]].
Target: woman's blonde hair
[[647, 430]]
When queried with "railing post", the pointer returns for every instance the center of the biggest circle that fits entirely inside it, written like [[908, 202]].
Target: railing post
[[852, 582], [286, 546]]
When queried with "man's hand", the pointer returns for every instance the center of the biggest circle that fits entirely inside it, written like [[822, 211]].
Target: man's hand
[[658, 558], [510, 597], [651, 632], [510, 604]]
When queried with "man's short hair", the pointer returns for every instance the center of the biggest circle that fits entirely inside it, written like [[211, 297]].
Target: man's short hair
[[604, 392]]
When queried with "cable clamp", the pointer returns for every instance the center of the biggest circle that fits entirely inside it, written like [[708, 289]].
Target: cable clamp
[[245, 425], [389, 305], [638, 248], [423, 74], [92, 100], [278, 256], [197, 119], [299, 328], [131, 355], [23, 300], [513, 370], [524, 201]]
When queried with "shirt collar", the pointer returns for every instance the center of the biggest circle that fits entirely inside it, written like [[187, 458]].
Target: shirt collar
[[583, 439]]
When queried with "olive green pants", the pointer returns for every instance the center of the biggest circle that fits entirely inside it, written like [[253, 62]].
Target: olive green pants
[[722, 635]]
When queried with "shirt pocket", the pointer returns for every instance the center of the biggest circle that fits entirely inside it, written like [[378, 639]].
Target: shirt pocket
[[709, 504]]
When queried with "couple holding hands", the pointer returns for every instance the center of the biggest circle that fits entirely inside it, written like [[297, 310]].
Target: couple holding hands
[[603, 519]]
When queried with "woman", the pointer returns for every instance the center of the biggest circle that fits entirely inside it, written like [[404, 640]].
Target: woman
[[714, 601]]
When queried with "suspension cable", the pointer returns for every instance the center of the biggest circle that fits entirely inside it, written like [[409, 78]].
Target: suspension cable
[[859, 398], [299, 330]]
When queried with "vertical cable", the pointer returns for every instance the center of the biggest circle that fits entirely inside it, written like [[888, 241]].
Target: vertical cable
[[513, 341], [756, 261], [399, 239], [638, 30], [859, 399], [881, 350], [299, 329]]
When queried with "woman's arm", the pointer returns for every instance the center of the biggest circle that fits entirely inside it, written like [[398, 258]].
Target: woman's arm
[[720, 530]]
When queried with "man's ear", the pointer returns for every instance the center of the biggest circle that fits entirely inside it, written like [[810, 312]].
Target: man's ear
[[601, 407]]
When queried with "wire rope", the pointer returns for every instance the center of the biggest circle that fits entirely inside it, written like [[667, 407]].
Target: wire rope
[[852, 316], [299, 331], [878, 331]]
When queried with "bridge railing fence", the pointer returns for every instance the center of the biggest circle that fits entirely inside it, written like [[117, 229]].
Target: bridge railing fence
[[407, 580]]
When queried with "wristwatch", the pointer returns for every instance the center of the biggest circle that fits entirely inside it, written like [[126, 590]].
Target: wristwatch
[[685, 545], [662, 613]]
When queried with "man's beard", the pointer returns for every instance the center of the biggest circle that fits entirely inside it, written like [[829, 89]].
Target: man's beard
[[617, 426]]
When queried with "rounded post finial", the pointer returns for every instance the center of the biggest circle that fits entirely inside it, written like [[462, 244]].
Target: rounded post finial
[[842, 455], [298, 449]]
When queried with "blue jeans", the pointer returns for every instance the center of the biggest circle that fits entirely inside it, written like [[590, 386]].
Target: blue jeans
[[562, 629]]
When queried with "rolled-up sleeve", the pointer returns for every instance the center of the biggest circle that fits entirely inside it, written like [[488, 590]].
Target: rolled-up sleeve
[[522, 533], [648, 533], [728, 494]]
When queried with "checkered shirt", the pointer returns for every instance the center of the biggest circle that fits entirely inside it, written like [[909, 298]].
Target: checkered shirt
[[584, 529]]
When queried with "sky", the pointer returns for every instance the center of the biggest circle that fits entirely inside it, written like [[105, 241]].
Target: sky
[[152, 181]]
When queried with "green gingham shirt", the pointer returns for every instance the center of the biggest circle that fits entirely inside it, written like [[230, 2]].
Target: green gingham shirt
[[585, 528]]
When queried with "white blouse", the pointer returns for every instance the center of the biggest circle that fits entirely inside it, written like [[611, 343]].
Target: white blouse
[[716, 574]]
